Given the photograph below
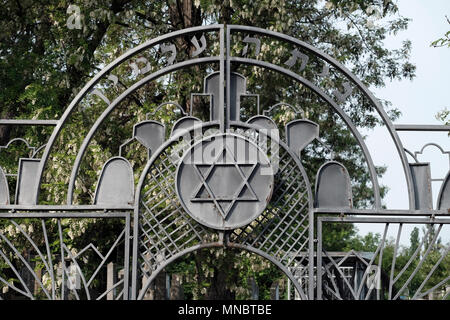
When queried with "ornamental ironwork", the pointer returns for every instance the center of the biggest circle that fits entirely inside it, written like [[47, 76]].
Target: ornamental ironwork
[[180, 181]]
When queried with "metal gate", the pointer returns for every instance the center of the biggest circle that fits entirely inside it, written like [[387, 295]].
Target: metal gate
[[235, 179]]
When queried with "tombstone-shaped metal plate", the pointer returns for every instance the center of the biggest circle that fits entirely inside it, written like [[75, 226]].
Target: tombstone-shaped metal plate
[[333, 188], [4, 189], [263, 122], [443, 201], [421, 176], [184, 124], [221, 182], [212, 86], [237, 87], [26, 181], [151, 134], [115, 185], [300, 133]]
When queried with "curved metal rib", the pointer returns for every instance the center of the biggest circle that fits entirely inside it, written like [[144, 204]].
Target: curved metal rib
[[356, 81], [117, 102], [103, 73], [338, 110]]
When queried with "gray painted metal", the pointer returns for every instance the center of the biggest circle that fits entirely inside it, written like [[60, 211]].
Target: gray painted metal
[[220, 182], [267, 236], [116, 103], [300, 133], [4, 189], [184, 125], [219, 27], [348, 75], [150, 133], [50, 281], [435, 145], [381, 212], [421, 127], [224, 198], [333, 187], [221, 63], [116, 183], [396, 284], [212, 86], [26, 122], [263, 122], [19, 140], [422, 183], [357, 135], [238, 87], [443, 201], [28, 172]]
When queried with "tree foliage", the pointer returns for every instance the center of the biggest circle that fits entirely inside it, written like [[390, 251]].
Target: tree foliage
[[445, 40]]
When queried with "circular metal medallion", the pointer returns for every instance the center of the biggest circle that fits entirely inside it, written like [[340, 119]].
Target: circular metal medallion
[[224, 181]]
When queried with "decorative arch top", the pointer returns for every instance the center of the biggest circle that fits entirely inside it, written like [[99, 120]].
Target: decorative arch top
[[223, 54]]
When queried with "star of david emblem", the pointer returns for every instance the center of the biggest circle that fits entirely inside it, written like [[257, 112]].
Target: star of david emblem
[[224, 163], [220, 181]]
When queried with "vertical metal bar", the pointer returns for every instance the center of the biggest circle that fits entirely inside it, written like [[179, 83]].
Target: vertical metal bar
[[394, 258], [83, 279], [371, 263], [126, 273], [63, 280], [228, 80], [380, 263], [319, 258], [24, 260], [221, 77], [311, 255], [135, 247]]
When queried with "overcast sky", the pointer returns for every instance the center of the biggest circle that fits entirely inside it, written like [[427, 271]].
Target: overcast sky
[[419, 100]]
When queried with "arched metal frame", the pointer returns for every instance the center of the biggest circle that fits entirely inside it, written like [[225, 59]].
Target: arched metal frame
[[222, 243], [352, 78], [224, 60], [224, 122], [104, 73]]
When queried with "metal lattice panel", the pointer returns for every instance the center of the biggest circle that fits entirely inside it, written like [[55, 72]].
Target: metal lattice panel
[[282, 229], [273, 216], [166, 230]]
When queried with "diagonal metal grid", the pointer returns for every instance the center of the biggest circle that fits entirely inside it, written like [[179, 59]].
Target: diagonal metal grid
[[281, 231]]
